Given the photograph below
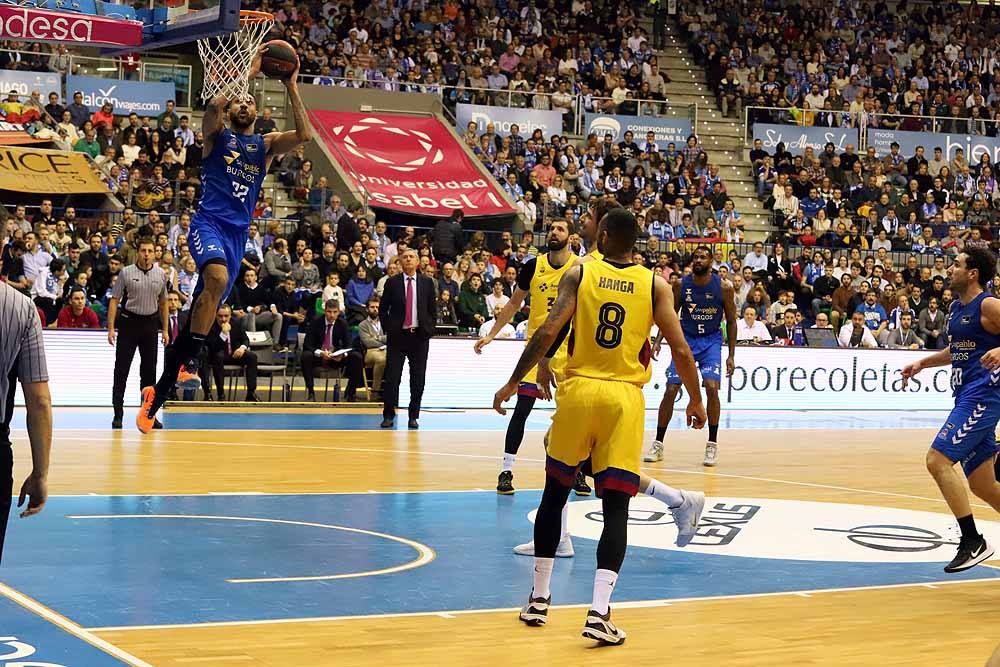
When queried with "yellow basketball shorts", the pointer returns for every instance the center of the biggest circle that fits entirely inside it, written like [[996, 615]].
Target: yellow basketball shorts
[[602, 419], [528, 386]]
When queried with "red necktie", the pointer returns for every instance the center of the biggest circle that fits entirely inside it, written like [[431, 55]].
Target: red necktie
[[408, 320], [173, 328], [328, 338]]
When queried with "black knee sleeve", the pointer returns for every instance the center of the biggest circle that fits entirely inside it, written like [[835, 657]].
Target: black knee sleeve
[[614, 537], [548, 521], [515, 429]]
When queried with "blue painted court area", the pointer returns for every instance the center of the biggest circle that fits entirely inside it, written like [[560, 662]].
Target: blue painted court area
[[194, 559], [30, 640], [263, 419]]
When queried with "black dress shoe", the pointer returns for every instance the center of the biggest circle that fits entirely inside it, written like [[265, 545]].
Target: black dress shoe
[[311, 397], [350, 398], [412, 425], [251, 398], [116, 423], [388, 422]]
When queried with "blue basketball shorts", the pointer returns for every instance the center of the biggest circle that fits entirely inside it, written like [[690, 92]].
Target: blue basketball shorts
[[210, 239], [707, 351], [969, 433]]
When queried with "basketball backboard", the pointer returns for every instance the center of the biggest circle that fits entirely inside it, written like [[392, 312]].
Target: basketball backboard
[[172, 22]]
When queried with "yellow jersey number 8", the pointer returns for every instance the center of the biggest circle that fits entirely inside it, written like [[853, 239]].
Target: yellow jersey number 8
[[610, 319]]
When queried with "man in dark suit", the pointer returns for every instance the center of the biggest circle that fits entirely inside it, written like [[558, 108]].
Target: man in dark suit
[[326, 335], [407, 313], [227, 344]]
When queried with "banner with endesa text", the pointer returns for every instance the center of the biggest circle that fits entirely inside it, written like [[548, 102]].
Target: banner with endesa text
[[45, 25], [411, 164], [798, 137], [973, 146], [47, 172], [668, 130], [527, 120], [145, 99], [26, 82]]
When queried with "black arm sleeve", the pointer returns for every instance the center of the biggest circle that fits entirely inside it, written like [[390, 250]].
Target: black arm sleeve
[[526, 273], [559, 340]]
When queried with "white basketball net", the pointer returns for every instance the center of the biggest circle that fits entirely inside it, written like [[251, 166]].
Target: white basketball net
[[227, 59]]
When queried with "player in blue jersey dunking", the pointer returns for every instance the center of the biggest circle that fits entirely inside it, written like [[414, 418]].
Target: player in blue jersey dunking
[[969, 434], [235, 163], [702, 298]]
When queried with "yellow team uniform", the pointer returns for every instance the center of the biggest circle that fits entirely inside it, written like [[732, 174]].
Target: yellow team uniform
[[543, 290], [600, 409]]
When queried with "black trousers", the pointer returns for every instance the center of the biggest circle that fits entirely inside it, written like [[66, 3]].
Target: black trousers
[[406, 346], [134, 332], [6, 482], [216, 362], [353, 365]]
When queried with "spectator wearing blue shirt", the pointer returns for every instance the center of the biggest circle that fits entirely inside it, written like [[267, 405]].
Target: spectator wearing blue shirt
[[811, 204], [814, 269], [930, 207], [660, 229], [359, 288], [875, 317]]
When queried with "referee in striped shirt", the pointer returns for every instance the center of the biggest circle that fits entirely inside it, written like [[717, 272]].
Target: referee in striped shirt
[[139, 307], [22, 357]]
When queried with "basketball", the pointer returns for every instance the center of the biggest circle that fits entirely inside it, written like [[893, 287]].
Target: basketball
[[279, 60]]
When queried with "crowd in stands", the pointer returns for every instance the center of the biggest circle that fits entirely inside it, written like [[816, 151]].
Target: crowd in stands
[[866, 300], [534, 53], [852, 63], [828, 207]]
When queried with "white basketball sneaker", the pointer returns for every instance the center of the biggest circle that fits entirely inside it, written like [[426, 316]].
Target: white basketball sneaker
[[687, 515], [564, 550], [711, 454], [654, 453]]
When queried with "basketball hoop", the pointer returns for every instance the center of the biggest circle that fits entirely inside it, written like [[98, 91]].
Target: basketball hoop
[[227, 58]]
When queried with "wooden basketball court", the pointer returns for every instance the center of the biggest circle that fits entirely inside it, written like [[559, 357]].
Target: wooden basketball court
[[356, 546]]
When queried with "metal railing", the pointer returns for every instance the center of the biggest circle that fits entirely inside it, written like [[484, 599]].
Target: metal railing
[[864, 123], [114, 68], [516, 99]]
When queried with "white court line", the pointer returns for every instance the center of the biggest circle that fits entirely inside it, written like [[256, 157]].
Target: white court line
[[69, 626], [639, 604], [648, 470], [425, 553]]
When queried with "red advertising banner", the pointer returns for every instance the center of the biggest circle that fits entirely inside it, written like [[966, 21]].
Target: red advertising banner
[[44, 25], [412, 164]]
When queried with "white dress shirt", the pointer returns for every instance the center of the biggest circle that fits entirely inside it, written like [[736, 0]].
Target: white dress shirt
[[758, 330]]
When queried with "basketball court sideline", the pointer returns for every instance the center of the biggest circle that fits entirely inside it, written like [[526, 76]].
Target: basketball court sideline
[[354, 546]]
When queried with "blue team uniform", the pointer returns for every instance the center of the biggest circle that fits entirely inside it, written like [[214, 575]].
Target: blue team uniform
[[702, 309], [231, 178], [969, 434]]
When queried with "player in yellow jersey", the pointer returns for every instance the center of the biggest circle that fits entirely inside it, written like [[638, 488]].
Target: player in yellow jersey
[[600, 411], [685, 506], [539, 280]]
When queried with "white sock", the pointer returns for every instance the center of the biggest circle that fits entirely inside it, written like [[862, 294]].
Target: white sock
[[564, 525], [668, 495], [543, 574], [508, 462], [604, 584]]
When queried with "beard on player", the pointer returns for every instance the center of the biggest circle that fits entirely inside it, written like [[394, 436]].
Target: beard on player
[[555, 243], [700, 268], [242, 114]]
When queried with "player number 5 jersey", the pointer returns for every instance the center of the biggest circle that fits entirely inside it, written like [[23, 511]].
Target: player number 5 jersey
[[614, 314], [231, 177]]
